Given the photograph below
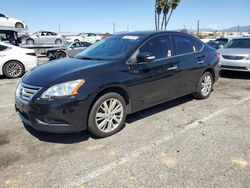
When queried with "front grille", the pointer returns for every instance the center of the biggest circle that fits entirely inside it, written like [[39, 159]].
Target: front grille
[[232, 57], [26, 92], [233, 67]]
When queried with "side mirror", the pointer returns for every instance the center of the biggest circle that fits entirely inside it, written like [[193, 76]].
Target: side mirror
[[221, 46], [146, 57]]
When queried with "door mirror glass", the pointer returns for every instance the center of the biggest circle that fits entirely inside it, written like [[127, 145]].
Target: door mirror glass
[[146, 57]]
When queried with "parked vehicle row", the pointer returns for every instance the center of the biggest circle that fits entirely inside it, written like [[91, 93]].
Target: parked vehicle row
[[14, 61], [117, 76]]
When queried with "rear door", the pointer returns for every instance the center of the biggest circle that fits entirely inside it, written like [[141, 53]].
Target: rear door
[[191, 60]]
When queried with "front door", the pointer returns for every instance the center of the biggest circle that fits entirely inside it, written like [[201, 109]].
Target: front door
[[154, 81]]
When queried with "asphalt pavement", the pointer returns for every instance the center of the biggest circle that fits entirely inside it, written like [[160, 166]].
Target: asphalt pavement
[[183, 143]]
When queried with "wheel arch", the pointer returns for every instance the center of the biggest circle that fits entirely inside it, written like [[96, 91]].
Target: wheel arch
[[18, 22], [13, 60], [111, 89], [211, 71]]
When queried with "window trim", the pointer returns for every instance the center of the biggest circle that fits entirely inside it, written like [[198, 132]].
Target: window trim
[[137, 49]]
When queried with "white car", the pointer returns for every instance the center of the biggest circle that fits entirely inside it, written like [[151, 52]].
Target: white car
[[14, 61], [6, 21], [84, 37]]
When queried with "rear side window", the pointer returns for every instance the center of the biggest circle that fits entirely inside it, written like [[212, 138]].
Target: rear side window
[[183, 45], [2, 48], [159, 46], [198, 45]]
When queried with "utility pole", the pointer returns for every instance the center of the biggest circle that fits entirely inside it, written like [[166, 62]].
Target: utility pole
[[59, 28], [198, 28], [238, 30], [127, 28], [113, 28]]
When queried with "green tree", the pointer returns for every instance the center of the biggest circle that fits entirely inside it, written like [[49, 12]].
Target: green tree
[[163, 7]]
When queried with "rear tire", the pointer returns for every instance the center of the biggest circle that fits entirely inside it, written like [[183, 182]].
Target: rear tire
[[19, 25], [107, 115], [205, 86], [60, 55], [58, 41], [13, 69]]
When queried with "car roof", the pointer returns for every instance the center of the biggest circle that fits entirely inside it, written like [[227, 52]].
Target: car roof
[[150, 33]]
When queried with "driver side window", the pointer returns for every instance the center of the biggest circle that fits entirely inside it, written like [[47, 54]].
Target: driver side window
[[159, 46]]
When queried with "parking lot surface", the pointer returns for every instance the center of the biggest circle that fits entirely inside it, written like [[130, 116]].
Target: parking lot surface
[[182, 143]]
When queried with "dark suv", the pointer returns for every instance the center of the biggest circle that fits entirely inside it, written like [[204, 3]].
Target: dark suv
[[117, 76]]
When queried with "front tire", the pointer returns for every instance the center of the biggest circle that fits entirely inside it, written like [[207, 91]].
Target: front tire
[[107, 115], [60, 55], [58, 41], [13, 69], [205, 86], [30, 41]]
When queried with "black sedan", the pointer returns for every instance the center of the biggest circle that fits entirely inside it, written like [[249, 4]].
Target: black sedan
[[67, 49], [117, 76]]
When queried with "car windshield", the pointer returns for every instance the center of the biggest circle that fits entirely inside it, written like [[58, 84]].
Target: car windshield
[[35, 33], [111, 48], [238, 43]]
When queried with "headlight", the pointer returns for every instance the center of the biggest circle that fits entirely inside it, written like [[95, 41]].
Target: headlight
[[63, 90]]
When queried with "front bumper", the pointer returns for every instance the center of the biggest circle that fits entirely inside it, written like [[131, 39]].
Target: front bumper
[[235, 65], [57, 116]]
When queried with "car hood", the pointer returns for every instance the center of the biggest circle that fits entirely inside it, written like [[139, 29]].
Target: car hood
[[62, 70], [234, 51]]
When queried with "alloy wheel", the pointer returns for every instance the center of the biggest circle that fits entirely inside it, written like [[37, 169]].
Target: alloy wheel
[[109, 115], [14, 69], [206, 85]]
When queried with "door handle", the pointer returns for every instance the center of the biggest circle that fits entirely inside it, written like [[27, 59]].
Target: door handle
[[201, 57], [2, 55], [201, 61], [172, 68]]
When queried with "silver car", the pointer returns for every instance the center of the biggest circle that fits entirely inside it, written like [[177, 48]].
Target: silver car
[[44, 37], [67, 49], [235, 55]]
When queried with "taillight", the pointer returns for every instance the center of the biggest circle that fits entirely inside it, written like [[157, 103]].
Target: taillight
[[32, 54]]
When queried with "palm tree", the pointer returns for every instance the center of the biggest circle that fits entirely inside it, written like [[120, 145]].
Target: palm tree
[[158, 11], [174, 5], [163, 6]]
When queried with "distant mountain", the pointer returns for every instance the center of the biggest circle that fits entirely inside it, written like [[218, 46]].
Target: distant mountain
[[231, 29], [235, 29]]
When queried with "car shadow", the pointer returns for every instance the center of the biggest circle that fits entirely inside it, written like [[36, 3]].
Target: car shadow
[[71, 138], [2, 77], [65, 138], [235, 75], [159, 108]]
